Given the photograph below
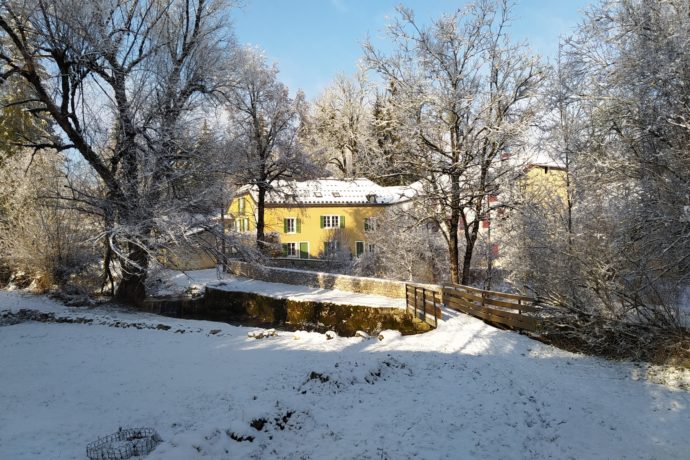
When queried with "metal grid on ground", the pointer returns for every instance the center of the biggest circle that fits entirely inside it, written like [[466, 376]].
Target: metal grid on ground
[[124, 444]]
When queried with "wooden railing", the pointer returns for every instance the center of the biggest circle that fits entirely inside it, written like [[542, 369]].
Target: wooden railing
[[423, 303], [510, 310]]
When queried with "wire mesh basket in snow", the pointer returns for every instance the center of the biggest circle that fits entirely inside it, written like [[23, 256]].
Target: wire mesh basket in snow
[[124, 444]]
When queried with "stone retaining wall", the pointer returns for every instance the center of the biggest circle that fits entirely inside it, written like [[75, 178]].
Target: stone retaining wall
[[252, 309], [318, 265], [360, 285]]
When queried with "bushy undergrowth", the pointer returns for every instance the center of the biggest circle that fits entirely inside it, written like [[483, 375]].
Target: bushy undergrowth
[[596, 335]]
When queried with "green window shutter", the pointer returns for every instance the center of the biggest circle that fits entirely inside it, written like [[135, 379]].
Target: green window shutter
[[325, 248], [359, 248], [298, 225], [285, 250], [323, 220], [342, 221], [285, 225], [304, 250]]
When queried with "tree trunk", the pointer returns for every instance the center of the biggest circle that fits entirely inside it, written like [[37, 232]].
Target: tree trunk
[[470, 241], [260, 223], [108, 223], [466, 264], [223, 258], [490, 257], [454, 252], [132, 289]]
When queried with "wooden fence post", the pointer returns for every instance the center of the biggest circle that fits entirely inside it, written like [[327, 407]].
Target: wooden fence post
[[435, 310], [422, 303]]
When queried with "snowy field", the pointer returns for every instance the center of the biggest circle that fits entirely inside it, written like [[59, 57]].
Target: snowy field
[[465, 390]]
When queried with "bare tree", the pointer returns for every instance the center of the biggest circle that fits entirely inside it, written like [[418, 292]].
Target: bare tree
[[632, 55], [121, 80], [402, 249], [264, 125], [390, 142], [343, 126], [465, 95], [614, 248], [40, 237]]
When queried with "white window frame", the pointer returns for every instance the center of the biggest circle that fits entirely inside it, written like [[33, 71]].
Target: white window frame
[[371, 223], [292, 247], [371, 247], [240, 204], [292, 220], [333, 247], [364, 248], [331, 221]]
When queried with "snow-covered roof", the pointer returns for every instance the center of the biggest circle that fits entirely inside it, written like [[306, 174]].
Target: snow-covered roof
[[332, 191], [542, 158]]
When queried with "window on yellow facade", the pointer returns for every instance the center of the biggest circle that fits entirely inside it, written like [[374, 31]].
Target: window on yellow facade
[[369, 224], [332, 221], [242, 225], [290, 249], [240, 204], [330, 248], [291, 225]]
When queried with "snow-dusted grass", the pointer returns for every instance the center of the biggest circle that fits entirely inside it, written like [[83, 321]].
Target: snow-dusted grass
[[465, 390]]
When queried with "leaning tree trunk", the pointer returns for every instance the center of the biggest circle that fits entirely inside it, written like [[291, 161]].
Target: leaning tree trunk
[[132, 288]]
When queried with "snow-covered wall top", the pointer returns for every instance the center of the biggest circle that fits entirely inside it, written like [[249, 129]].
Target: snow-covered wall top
[[321, 280]]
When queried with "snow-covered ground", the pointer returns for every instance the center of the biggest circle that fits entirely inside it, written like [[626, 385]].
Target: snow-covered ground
[[465, 390], [174, 282]]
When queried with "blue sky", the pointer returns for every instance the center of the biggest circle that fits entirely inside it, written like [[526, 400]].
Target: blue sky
[[313, 40]]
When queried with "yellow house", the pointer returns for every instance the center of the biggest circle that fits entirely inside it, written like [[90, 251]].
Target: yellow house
[[545, 183], [318, 218], [321, 218]]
